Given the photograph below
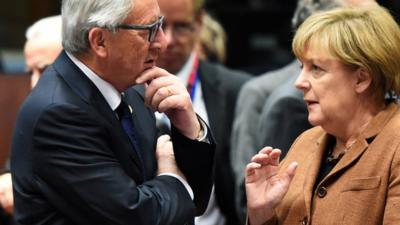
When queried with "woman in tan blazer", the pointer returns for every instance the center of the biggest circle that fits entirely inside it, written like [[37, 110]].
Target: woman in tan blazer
[[345, 170]]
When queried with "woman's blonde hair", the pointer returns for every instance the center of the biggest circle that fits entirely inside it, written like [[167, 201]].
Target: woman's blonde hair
[[366, 38]]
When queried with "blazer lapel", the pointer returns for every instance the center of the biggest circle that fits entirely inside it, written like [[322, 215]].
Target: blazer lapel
[[89, 93], [314, 164], [360, 146]]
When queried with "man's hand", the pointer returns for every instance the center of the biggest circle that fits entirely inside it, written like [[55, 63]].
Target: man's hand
[[166, 158], [166, 93], [265, 188], [6, 193]]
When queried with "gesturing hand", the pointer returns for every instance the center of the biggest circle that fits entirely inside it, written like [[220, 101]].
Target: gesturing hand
[[166, 93], [265, 188]]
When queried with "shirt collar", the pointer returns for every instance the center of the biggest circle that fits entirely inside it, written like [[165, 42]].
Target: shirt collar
[[184, 73], [112, 96]]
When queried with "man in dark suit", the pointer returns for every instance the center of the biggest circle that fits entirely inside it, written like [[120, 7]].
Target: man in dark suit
[[213, 90], [85, 154]]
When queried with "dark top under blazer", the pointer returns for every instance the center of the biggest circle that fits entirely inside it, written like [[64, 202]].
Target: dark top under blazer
[[72, 163]]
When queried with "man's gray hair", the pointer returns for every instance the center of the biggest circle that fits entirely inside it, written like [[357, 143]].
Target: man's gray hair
[[79, 16], [307, 7]]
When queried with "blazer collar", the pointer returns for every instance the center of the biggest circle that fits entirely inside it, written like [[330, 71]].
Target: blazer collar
[[89, 93], [75, 78], [314, 163], [374, 127]]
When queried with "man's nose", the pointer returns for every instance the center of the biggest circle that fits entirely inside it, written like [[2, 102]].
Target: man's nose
[[160, 40]]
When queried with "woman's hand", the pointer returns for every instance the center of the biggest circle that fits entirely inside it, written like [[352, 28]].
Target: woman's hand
[[265, 188]]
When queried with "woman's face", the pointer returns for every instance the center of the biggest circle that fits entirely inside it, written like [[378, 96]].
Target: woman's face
[[329, 88]]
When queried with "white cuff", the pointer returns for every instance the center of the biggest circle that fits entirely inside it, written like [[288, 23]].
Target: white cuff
[[204, 127], [183, 181]]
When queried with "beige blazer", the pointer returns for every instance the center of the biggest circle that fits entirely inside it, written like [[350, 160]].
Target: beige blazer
[[362, 189]]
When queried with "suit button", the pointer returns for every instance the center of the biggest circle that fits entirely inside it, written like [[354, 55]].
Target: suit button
[[304, 221], [322, 192]]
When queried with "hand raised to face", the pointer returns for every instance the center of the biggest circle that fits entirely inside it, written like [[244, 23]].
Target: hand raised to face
[[166, 93]]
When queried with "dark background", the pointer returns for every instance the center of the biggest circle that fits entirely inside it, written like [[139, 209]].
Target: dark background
[[259, 32]]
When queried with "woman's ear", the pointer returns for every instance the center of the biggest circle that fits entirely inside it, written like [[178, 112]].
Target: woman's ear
[[96, 39], [363, 80]]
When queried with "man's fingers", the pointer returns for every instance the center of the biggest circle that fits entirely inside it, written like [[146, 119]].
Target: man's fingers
[[155, 85], [162, 140], [148, 75], [162, 94], [173, 102]]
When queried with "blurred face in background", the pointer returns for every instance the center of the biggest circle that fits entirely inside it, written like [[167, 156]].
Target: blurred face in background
[[181, 27], [39, 53]]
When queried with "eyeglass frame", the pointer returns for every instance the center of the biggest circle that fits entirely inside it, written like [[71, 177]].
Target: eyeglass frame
[[152, 28]]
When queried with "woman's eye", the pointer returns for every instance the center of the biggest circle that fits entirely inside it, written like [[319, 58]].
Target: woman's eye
[[316, 71]]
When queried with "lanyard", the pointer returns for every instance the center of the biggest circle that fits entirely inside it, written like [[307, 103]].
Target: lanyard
[[193, 78]]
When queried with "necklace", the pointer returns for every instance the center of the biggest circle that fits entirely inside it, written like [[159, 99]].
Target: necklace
[[330, 158], [334, 159]]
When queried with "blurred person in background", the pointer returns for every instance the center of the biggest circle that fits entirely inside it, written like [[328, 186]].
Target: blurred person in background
[[213, 89], [345, 170], [43, 44], [270, 110], [212, 41]]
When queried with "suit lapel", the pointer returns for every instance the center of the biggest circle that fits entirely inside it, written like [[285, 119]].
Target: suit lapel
[[213, 98], [145, 125], [89, 93], [314, 164]]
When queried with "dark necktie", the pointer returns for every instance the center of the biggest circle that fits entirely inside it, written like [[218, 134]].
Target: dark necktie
[[125, 117]]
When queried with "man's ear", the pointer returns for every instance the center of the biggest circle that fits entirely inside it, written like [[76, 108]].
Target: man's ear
[[97, 41], [363, 80]]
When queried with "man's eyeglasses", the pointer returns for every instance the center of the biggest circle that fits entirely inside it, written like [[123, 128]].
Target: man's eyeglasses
[[152, 28]]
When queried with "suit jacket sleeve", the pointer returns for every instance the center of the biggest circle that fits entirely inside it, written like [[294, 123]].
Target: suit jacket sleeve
[[76, 170], [195, 160]]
